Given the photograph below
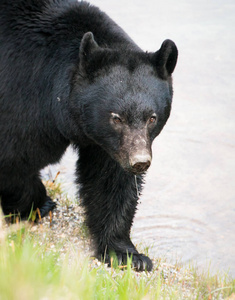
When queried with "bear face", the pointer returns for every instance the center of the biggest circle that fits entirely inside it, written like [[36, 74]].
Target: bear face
[[123, 101]]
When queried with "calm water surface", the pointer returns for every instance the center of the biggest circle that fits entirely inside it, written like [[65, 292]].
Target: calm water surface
[[187, 209]]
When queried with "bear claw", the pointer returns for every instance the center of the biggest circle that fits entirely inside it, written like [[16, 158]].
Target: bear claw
[[139, 262]]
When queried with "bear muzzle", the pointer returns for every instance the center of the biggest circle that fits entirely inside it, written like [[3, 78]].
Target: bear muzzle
[[140, 163]]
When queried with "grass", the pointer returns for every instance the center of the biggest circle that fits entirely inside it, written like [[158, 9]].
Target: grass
[[33, 266], [30, 271]]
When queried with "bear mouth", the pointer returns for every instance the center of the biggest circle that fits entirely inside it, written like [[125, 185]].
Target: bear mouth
[[140, 167], [135, 171]]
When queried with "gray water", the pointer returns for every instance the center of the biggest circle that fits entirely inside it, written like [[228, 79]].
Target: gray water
[[187, 210]]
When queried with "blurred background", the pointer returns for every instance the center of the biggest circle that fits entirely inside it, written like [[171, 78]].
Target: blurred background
[[187, 209]]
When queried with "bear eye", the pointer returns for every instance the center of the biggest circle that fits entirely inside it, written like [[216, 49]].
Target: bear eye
[[116, 118], [153, 118]]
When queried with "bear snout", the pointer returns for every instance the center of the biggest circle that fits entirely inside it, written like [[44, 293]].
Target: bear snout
[[140, 163]]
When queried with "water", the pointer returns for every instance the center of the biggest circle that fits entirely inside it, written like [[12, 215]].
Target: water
[[187, 209]]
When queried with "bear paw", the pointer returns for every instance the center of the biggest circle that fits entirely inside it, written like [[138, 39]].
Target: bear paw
[[139, 262], [48, 206]]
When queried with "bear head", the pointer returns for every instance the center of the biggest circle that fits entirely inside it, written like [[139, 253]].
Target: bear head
[[123, 99]]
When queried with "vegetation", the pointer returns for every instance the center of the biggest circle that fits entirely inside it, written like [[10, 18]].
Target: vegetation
[[51, 261]]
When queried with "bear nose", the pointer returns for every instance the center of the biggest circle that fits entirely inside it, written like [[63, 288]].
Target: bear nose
[[140, 163]]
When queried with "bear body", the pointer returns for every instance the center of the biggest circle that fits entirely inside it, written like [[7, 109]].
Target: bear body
[[70, 75]]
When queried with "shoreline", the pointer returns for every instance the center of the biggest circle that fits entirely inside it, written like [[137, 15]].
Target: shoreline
[[65, 236]]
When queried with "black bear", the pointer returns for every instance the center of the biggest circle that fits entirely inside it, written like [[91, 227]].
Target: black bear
[[70, 75]]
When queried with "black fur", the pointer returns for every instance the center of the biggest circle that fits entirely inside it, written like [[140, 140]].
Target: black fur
[[70, 75]]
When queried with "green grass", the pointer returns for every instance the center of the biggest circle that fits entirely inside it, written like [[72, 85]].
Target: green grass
[[33, 266], [30, 269]]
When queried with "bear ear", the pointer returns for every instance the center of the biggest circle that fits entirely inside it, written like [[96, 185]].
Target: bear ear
[[87, 47], [165, 59]]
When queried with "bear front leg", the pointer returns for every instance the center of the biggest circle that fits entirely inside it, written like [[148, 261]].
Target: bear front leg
[[23, 195], [109, 196]]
